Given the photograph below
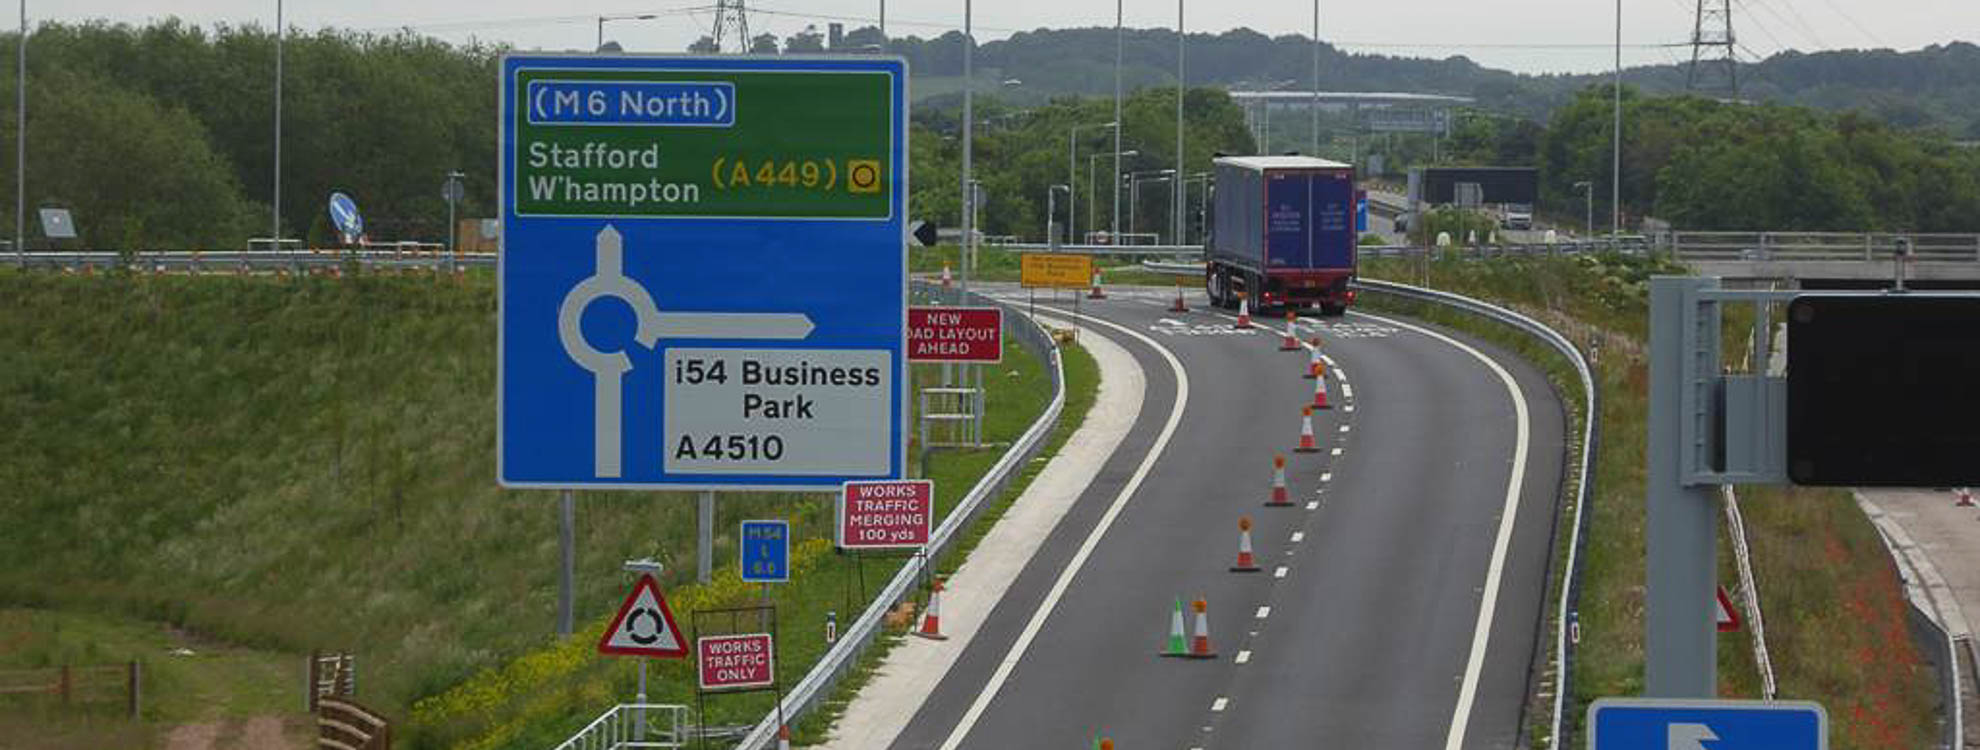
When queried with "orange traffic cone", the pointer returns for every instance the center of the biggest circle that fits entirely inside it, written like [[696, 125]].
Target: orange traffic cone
[[1291, 340], [783, 737], [1097, 292], [1280, 497], [1965, 497], [1245, 563], [1320, 393], [1199, 642], [946, 279], [1178, 305], [931, 623], [1315, 367], [1244, 312], [1307, 444]]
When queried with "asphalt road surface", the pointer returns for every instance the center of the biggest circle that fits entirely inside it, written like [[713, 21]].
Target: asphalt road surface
[[1364, 628]]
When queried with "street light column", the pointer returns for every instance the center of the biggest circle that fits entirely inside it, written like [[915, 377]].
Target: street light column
[[1114, 184], [20, 145], [1176, 206], [275, 209]]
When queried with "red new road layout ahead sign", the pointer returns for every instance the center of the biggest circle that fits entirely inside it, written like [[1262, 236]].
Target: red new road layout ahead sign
[[955, 334], [732, 662], [883, 515]]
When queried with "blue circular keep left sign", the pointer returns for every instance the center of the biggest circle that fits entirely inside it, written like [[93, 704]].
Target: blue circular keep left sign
[[344, 214]]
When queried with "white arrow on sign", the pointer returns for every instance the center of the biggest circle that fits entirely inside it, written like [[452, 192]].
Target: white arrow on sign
[[651, 324], [1688, 736]]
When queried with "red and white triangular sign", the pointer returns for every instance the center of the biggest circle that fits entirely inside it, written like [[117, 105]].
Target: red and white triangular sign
[[644, 626], [1728, 617]]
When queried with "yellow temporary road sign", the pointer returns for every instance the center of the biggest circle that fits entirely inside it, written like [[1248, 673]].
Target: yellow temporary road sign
[[1055, 270]]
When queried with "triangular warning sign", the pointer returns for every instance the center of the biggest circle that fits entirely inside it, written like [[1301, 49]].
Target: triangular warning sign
[[644, 626], [1728, 617]]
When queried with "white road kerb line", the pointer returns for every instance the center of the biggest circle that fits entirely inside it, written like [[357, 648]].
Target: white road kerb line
[[1481, 634], [1058, 590]]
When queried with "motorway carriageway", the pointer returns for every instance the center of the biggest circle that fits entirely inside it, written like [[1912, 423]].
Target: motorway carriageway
[[1398, 606]]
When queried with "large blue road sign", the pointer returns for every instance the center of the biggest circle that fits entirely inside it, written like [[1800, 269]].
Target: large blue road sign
[[703, 273], [765, 549], [1659, 724]]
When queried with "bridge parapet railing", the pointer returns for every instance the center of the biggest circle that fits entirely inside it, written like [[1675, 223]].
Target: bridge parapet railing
[[1822, 246]]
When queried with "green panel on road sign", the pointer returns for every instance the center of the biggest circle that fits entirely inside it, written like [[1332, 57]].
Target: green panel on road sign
[[684, 143]]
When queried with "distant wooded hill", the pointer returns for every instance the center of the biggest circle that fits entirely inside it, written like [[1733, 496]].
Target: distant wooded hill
[[1935, 87]]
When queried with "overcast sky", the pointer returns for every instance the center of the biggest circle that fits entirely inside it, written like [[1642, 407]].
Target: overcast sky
[[1524, 35]]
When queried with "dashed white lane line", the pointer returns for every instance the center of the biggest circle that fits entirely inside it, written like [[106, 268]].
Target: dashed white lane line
[[1349, 407], [1262, 613], [1242, 657], [1327, 476], [1347, 391], [1279, 572], [1340, 375], [1298, 536], [1344, 428], [1315, 505], [1092, 541], [1337, 451], [1217, 706]]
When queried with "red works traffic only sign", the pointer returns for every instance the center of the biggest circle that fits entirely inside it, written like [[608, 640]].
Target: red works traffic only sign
[[883, 515], [731, 662], [955, 334]]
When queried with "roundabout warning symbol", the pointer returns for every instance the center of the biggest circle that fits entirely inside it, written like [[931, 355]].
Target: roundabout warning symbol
[[644, 626]]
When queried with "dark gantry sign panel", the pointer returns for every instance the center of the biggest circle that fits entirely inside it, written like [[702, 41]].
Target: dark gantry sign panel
[[1884, 390]]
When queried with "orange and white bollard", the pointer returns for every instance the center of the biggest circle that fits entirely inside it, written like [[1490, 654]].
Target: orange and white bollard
[[946, 278], [1281, 498], [1246, 563], [1097, 292], [1307, 442], [1199, 642], [1291, 340], [1320, 393], [783, 737], [1315, 367], [1244, 312], [931, 621]]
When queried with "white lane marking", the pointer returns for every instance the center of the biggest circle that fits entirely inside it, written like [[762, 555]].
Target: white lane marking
[[1344, 428], [1315, 505], [1243, 656], [1328, 360], [1327, 476], [1298, 536], [1058, 590], [1349, 407], [1262, 613], [1347, 391], [1219, 704], [1340, 375], [1481, 633], [1279, 572], [1337, 451]]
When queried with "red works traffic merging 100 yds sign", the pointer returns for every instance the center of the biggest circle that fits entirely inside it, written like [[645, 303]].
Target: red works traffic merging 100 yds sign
[[733, 662], [882, 515], [955, 334]]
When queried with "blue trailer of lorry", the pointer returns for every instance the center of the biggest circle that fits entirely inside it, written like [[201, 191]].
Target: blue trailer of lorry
[[1282, 233]]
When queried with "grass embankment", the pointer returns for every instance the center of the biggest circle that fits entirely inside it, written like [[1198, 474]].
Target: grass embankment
[[1834, 609], [285, 464]]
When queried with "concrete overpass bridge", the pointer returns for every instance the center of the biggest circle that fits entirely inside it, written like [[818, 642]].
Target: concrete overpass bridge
[[1817, 259]]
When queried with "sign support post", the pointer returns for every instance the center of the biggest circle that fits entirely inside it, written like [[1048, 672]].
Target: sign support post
[[705, 555], [1682, 532], [567, 541]]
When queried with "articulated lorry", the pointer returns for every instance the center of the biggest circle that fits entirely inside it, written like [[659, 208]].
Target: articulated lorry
[[1282, 233]]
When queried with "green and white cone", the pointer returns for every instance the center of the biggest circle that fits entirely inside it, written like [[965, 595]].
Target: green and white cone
[[1178, 642]]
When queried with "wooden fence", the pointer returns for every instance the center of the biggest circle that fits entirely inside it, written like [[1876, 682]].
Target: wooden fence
[[79, 686]]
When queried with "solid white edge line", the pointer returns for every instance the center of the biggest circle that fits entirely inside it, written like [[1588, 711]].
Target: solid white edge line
[[1092, 541], [1481, 633]]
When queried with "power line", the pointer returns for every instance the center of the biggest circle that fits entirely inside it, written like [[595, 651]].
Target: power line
[[1852, 21]]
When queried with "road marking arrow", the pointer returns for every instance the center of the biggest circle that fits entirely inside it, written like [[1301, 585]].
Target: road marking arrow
[[1688, 736]]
